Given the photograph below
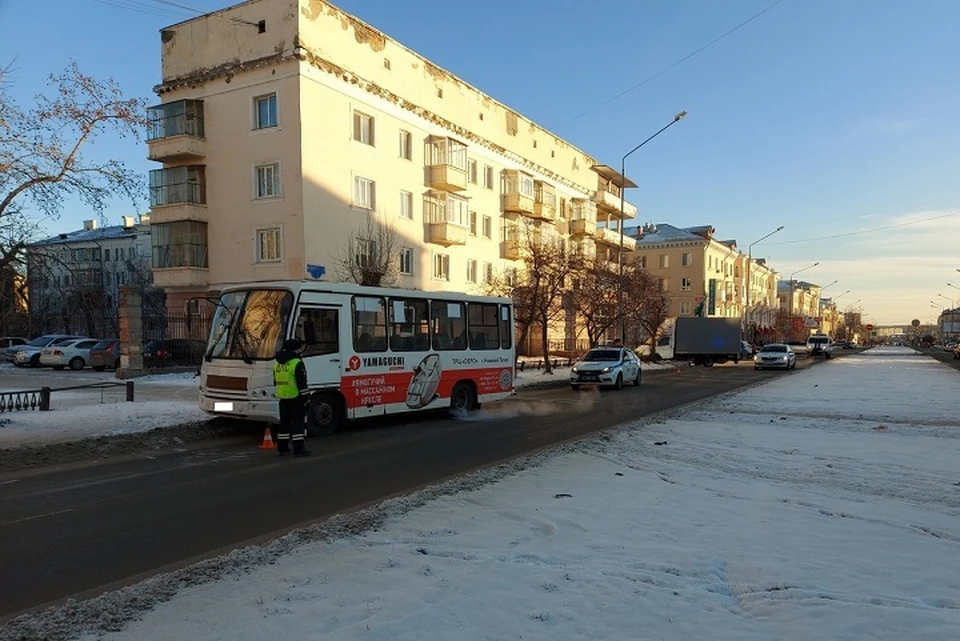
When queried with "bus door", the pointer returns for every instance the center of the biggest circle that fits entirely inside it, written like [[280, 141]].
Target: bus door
[[318, 328]]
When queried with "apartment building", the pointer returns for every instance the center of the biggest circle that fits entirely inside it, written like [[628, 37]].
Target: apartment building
[[800, 303], [694, 267], [74, 278], [285, 126]]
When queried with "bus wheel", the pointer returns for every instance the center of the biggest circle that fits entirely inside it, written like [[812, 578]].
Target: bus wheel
[[462, 398], [324, 414], [707, 361]]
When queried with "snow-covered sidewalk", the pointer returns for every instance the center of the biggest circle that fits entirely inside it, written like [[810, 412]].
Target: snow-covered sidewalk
[[824, 504]]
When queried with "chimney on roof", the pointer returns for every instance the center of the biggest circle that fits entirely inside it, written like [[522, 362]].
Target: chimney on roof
[[89, 225], [144, 219], [127, 222]]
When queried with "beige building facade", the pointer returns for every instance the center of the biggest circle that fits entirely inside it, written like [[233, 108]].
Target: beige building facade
[[286, 125], [694, 268]]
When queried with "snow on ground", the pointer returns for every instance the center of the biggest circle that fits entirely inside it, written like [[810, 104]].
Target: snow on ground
[[824, 504]]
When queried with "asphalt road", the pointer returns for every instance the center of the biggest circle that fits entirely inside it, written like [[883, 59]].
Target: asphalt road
[[77, 531]]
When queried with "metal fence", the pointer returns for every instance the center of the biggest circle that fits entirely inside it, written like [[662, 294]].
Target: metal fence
[[39, 399]]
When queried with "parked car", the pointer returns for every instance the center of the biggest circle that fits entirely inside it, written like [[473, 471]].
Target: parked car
[[606, 366], [75, 353], [173, 352], [105, 354], [776, 356], [9, 342], [956, 352], [29, 354]]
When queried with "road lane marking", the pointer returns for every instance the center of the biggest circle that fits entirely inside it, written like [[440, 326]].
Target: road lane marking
[[36, 516]]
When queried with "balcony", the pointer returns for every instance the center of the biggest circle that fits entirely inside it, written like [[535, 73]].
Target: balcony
[[447, 170], [608, 203], [582, 227], [510, 249], [181, 277], [447, 216], [612, 237], [175, 131], [563, 226], [544, 201], [178, 193], [518, 193]]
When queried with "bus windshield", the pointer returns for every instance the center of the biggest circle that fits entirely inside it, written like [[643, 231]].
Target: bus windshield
[[250, 324]]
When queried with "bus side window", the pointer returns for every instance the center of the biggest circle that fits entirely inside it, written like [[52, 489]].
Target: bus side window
[[482, 320], [319, 331], [409, 325], [448, 324], [369, 324], [506, 327]]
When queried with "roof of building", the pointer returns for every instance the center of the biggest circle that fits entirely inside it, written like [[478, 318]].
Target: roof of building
[[88, 235], [657, 233]]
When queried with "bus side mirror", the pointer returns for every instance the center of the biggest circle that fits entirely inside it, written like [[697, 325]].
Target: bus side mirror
[[309, 333]]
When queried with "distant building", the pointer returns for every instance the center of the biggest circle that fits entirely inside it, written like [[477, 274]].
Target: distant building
[[696, 268], [74, 278]]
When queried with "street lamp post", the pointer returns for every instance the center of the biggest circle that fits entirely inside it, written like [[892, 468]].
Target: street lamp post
[[954, 286], [750, 272], [791, 287], [952, 305], [623, 171]]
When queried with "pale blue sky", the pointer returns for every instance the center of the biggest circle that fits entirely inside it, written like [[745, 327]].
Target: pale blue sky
[[826, 116]]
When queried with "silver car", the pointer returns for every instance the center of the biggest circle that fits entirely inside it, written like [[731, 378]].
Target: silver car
[[606, 366], [775, 356]]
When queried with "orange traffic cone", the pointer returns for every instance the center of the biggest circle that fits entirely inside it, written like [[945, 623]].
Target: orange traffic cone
[[267, 443]]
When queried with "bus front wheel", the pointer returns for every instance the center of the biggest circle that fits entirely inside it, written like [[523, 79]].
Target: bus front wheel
[[463, 398], [324, 414]]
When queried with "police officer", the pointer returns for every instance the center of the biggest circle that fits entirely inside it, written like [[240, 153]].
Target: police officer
[[290, 379]]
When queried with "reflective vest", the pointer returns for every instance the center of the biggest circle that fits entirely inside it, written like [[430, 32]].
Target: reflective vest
[[284, 377]]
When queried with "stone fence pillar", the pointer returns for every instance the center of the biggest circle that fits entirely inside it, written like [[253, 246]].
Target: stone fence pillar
[[131, 331]]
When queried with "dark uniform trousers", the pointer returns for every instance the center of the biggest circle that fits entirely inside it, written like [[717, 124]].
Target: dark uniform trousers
[[292, 425]]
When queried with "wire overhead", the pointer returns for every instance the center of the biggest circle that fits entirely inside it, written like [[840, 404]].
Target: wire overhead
[[672, 65]]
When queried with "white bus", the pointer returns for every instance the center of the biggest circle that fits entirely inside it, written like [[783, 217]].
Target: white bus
[[368, 351]]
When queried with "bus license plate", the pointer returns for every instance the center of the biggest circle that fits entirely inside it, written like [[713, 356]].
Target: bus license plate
[[223, 407]]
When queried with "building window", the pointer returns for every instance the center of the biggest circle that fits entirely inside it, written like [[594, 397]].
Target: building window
[[265, 108], [406, 145], [269, 247], [686, 259], [472, 171], [642, 261], [447, 151], [663, 284], [441, 266], [487, 273], [106, 255], [473, 223], [517, 182], [664, 260], [488, 176], [406, 261], [685, 307], [685, 284], [179, 244], [364, 193], [406, 204], [183, 117], [487, 227], [365, 252], [268, 180], [472, 270], [444, 207], [363, 128]]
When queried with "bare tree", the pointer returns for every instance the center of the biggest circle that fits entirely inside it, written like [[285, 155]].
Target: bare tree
[[594, 296], [41, 160], [371, 256], [646, 305], [538, 288]]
